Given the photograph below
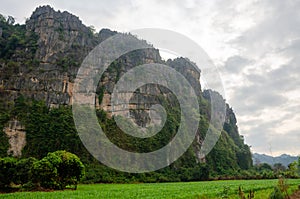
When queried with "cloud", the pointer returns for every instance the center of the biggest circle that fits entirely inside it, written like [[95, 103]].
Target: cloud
[[277, 25], [253, 99], [235, 64], [264, 91]]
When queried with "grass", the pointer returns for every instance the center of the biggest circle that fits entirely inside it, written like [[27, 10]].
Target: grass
[[211, 189]]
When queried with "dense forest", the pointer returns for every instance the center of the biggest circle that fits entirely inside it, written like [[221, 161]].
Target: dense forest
[[38, 64]]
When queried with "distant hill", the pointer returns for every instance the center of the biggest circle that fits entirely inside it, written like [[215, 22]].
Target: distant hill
[[284, 159]]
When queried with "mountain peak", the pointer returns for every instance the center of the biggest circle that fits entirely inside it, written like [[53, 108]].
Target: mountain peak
[[48, 11], [58, 33], [44, 8], [46, 16]]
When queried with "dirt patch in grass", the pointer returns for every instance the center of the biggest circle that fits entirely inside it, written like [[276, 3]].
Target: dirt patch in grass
[[295, 195]]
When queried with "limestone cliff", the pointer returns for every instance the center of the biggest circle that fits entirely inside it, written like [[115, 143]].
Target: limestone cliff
[[40, 60]]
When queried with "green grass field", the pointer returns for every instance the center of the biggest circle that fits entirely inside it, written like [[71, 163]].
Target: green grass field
[[211, 189]]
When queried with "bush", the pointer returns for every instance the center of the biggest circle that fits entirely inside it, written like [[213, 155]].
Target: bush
[[7, 171], [70, 169], [58, 170], [23, 170], [44, 174]]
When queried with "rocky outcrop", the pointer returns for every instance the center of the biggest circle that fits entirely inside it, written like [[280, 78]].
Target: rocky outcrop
[[15, 132], [62, 43], [148, 95], [189, 70], [61, 34]]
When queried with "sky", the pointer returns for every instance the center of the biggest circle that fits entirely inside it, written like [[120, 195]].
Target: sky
[[254, 44]]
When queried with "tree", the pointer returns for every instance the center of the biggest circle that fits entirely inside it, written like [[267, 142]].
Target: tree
[[299, 165], [92, 29], [292, 171], [2, 19], [10, 20], [278, 167], [244, 157], [265, 167], [4, 117]]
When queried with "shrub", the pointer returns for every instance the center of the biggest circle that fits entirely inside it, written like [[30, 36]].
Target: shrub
[[58, 170], [70, 169], [7, 171], [44, 174], [23, 170]]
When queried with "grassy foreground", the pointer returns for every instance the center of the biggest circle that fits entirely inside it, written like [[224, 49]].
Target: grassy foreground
[[211, 189]]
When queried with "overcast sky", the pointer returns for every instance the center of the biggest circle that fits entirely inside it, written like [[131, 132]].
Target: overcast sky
[[254, 44]]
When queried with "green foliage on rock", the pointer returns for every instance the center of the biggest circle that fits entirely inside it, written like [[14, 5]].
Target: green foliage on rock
[[49, 130], [66, 62], [222, 158], [4, 117], [15, 41]]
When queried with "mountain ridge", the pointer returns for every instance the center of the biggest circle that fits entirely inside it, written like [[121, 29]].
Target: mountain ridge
[[284, 159]]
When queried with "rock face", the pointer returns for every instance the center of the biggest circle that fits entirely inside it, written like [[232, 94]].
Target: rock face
[[142, 100], [62, 44], [63, 41], [16, 137], [59, 33]]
